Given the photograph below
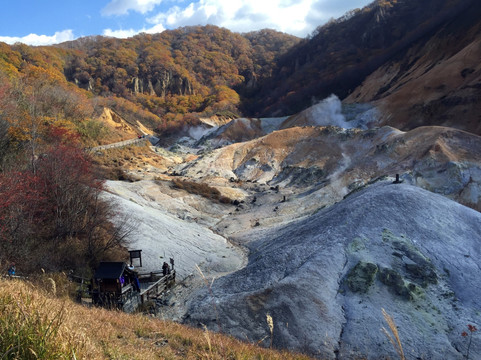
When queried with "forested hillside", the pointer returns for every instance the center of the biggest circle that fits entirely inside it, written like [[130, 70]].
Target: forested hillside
[[170, 79], [51, 213], [187, 70], [160, 79], [339, 55]]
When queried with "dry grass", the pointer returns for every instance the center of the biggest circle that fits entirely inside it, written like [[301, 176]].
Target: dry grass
[[101, 334], [115, 161], [201, 189], [394, 339], [270, 323]]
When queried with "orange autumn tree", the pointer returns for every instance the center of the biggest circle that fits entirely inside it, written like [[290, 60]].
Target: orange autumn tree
[[37, 99], [224, 99]]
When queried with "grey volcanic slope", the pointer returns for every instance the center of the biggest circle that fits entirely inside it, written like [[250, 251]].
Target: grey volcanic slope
[[324, 280]]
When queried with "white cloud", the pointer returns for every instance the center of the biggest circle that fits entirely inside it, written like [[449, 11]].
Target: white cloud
[[294, 17], [36, 40], [297, 17], [120, 33], [241, 16], [122, 7], [131, 32]]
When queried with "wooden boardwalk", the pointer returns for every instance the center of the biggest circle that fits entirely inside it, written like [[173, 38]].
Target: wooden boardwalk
[[120, 144], [153, 289]]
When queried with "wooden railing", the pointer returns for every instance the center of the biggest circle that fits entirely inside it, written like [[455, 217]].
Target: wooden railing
[[158, 287], [119, 144]]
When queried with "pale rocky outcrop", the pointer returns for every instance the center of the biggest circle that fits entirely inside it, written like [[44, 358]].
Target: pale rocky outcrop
[[330, 243], [89, 85], [163, 85]]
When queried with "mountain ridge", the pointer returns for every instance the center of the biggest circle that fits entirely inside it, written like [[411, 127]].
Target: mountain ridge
[[383, 53], [435, 83], [342, 62]]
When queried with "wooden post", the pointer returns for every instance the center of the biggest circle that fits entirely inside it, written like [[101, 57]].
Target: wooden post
[[398, 180], [135, 254]]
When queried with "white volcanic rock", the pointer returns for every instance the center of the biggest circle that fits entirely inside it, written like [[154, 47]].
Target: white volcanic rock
[[324, 279], [334, 161], [241, 129], [165, 226]]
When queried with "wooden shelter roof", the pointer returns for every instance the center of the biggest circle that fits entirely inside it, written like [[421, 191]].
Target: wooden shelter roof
[[111, 270]]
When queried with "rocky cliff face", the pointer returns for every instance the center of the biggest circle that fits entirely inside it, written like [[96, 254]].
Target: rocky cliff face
[[344, 52], [167, 83]]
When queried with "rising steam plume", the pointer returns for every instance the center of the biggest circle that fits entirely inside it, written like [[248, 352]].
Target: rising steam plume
[[331, 111], [328, 112]]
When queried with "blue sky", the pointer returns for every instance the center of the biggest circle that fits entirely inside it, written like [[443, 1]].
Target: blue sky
[[41, 22]]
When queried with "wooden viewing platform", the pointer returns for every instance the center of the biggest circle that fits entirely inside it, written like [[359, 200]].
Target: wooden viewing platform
[[116, 285], [152, 290]]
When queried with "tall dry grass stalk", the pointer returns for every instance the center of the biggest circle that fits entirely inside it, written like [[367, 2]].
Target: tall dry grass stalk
[[31, 325], [270, 323], [209, 287], [207, 338], [53, 286], [395, 341]]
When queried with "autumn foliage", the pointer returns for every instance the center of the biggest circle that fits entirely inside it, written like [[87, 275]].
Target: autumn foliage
[[157, 79], [199, 69], [51, 212], [55, 217]]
